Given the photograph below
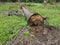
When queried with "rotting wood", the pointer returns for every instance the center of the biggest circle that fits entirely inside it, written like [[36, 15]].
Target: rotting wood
[[33, 19], [36, 21]]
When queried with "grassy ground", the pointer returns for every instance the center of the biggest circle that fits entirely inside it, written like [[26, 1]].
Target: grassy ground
[[9, 25]]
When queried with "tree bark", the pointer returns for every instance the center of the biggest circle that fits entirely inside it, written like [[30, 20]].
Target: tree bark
[[26, 11]]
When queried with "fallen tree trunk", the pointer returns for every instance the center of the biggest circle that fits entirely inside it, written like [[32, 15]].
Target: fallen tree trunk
[[36, 21], [32, 19], [30, 16]]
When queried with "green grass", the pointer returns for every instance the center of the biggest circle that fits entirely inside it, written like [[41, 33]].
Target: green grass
[[9, 6], [9, 25]]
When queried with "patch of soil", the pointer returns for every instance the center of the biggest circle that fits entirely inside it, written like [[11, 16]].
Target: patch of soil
[[49, 36]]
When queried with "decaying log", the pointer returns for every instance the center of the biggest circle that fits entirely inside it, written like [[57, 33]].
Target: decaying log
[[35, 21], [32, 18]]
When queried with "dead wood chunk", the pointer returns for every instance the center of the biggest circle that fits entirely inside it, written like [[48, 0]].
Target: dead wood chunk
[[35, 19], [36, 22]]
